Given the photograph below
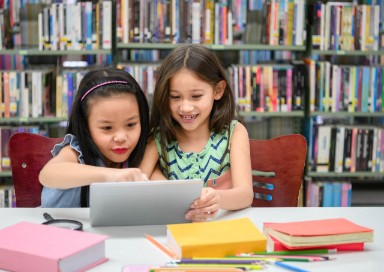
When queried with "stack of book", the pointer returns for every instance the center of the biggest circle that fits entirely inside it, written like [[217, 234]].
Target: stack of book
[[337, 233]]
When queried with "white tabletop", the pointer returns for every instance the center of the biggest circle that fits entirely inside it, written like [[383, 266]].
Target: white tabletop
[[128, 246]]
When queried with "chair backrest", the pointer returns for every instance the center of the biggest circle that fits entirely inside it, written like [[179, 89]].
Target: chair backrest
[[29, 153], [277, 170]]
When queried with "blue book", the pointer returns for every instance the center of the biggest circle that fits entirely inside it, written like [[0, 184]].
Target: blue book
[[327, 194], [336, 194]]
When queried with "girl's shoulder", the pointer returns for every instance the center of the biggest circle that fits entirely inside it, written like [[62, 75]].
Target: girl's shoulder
[[69, 140]]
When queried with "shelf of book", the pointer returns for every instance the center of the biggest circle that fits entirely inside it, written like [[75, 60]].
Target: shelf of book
[[32, 120], [348, 52], [361, 174], [214, 46], [346, 114], [37, 52], [5, 174], [346, 102], [272, 114]]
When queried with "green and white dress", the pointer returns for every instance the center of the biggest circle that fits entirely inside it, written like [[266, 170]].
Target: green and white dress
[[209, 164]]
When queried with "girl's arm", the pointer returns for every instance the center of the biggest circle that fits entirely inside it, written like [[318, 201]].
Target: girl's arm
[[149, 164], [64, 171], [241, 195]]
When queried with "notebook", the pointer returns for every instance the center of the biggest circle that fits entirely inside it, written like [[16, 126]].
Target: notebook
[[142, 202]]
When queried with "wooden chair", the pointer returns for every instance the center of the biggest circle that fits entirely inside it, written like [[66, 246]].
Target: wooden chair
[[277, 170], [29, 153]]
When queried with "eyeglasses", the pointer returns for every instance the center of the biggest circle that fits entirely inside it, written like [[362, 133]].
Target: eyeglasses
[[62, 223]]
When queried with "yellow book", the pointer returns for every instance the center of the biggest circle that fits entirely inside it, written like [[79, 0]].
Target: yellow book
[[215, 239]]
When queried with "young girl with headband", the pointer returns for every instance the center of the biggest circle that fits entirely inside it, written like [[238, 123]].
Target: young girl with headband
[[105, 139]]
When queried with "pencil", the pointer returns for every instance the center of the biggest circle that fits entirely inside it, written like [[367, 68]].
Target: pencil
[[164, 249], [219, 261], [290, 267], [218, 266], [196, 269], [292, 258], [297, 252]]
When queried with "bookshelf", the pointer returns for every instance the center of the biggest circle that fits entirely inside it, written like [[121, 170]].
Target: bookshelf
[[137, 39], [236, 48], [345, 112], [36, 63]]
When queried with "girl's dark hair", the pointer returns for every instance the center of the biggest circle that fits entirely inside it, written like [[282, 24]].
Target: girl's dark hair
[[207, 66], [78, 119]]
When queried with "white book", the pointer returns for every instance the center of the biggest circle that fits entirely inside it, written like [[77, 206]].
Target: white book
[[107, 27], [363, 13], [322, 27], [335, 87], [46, 29], [229, 27], [339, 151], [125, 17], [40, 31], [374, 149], [70, 26], [323, 146], [175, 20], [24, 96], [61, 27], [53, 27], [300, 32], [217, 24], [327, 26], [13, 93], [376, 23], [196, 23], [36, 94]]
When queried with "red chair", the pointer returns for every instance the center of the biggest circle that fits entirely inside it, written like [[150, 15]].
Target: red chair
[[277, 170], [29, 153]]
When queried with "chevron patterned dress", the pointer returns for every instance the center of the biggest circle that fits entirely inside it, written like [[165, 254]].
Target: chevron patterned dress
[[210, 163]]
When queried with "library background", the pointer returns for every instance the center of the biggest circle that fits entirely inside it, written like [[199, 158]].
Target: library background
[[296, 66]]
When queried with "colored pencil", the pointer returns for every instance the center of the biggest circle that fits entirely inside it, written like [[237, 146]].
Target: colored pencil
[[240, 266], [297, 252], [196, 269], [290, 267], [164, 249], [218, 261], [292, 258]]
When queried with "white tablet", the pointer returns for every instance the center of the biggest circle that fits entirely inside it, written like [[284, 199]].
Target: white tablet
[[142, 202]]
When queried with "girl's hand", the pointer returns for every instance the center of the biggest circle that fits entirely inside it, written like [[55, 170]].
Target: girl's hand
[[205, 207], [130, 174]]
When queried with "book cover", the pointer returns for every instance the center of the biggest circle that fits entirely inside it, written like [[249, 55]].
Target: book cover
[[319, 232], [48, 248], [215, 238]]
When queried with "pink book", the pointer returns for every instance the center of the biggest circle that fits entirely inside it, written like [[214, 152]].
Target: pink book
[[316, 233], [33, 247], [275, 245]]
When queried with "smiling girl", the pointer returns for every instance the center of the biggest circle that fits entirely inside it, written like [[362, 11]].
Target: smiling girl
[[194, 135]]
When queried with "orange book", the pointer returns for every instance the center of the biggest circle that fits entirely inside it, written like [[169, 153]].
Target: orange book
[[318, 232], [215, 239]]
